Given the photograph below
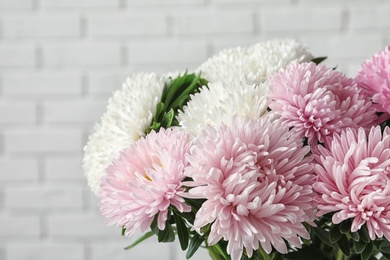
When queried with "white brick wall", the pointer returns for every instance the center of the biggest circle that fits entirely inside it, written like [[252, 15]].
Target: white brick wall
[[23, 27], [127, 24], [17, 56], [60, 60]]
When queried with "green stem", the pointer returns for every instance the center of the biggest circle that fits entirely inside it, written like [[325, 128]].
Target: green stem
[[340, 255], [264, 254], [214, 255]]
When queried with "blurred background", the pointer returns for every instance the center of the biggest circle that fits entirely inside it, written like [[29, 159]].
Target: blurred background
[[60, 60]]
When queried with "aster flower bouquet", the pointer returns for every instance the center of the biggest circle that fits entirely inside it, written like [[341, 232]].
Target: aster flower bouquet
[[260, 153]]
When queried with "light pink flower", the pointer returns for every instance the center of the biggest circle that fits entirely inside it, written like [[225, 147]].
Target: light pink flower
[[353, 180], [145, 181], [317, 101], [257, 184], [374, 79]]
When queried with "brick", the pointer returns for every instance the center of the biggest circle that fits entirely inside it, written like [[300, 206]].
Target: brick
[[370, 16], [105, 83], [218, 46], [42, 85], [17, 56], [41, 26], [73, 111], [45, 251], [127, 25], [344, 47], [44, 198], [19, 226], [352, 68], [301, 20], [214, 23], [279, 3], [1, 150], [308, 3], [92, 200], [82, 55], [164, 53], [80, 3], [175, 3], [16, 4], [161, 251], [80, 226], [17, 113], [48, 140], [165, 68], [19, 170], [64, 169]]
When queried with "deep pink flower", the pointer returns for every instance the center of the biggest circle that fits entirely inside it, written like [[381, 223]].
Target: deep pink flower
[[145, 181], [374, 79], [257, 184], [353, 180], [317, 101]]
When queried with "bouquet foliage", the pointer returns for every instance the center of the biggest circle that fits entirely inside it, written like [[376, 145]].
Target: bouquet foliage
[[260, 153]]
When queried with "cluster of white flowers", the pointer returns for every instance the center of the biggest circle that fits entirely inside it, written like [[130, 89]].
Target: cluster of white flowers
[[255, 62], [217, 103], [129, 114], [131, 109]]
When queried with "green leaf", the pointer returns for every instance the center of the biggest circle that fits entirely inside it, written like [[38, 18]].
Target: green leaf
[[306, 253], [245, 257], [182, 231], [367, 252], [195, 243], [123, 231], [359, 246], [165, 91], [343, 243], [189, 216], [322, 235], [183, 98], [334, 234], [384, 124], [355, 236], [175, 95], [384, 247], [166, 235], [159, 109], [345, 226], [139, 240], [276, 256], [175, 86], [167, 119], [154, 226], [318, 60], [363, 233], [223, 253], [195, 203]]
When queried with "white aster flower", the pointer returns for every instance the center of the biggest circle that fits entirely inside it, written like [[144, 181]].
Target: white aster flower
[[221, 100], [129, 113], [256, 62]]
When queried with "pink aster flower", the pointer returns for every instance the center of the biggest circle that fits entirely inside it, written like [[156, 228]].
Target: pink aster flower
[[353, 180], [145, 181], [257, 184], [317, 101], [374, 79]]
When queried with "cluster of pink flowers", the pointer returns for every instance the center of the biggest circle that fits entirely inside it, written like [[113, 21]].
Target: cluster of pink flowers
[[145, 181], [318, 149], [256, 182], [353, 180]]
